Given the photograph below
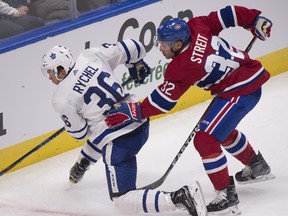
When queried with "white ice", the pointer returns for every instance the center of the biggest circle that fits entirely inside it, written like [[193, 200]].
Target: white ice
[[41, 189]]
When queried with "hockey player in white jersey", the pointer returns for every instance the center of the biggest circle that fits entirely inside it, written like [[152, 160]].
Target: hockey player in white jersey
[[87, 89]]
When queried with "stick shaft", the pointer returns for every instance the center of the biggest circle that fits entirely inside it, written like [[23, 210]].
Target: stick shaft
[[162, 179], [57, 133], [248, 48]]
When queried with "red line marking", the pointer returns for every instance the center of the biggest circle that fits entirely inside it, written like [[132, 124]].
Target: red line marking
[[45, 211]]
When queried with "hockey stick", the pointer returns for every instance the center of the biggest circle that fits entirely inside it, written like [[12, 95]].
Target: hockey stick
[[53, 136], [127, 81], [188, 140], [162, 179], [32, 151], [248, 48]]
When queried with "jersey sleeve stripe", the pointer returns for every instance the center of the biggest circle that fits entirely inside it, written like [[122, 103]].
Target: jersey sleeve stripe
[[94, 147], [220, 20], [80, 130], [234, 16], [127, 51], [156, 105], [165, 97], [88, 157], [227, 17], [79, 134], [138, 48], [162, 103], [79, 137]]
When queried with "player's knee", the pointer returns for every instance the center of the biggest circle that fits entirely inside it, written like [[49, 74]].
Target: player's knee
[[231, 138], [206, 144]]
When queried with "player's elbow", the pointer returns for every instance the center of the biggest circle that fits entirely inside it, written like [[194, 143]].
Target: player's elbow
[[79, 134]]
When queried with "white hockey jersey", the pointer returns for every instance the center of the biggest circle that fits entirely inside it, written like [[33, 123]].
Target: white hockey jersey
[[92, 88]]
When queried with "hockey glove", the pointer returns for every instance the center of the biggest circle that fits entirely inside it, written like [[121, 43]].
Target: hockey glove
[[125, 114], [138, 71], [261, 28]]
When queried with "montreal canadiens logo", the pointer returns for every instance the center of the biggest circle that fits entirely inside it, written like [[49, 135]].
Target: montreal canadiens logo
[[177, 27]]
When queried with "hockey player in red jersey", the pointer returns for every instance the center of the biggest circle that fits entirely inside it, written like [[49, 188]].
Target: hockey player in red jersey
[[201, 58]]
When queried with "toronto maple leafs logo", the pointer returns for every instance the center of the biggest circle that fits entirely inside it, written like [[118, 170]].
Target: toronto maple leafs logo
[[53, 55]]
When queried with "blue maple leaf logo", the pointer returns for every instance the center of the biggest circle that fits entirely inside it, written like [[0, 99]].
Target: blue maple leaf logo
[[53, 55]]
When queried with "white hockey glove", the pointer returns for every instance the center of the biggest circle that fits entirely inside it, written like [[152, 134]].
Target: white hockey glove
[[138, 71], [261, 27]]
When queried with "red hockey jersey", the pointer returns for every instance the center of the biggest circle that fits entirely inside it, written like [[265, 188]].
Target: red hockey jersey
[[209, 62]]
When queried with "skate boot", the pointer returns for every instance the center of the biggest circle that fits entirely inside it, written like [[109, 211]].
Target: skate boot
[[257, 170], [78, 170], [191, 199], [225, 203]]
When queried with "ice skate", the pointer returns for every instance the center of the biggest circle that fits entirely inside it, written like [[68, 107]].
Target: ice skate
[[258, 170], [78, 170], [191, 199], [226, 201]]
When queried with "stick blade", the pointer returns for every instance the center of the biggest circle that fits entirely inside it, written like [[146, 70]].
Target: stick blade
[[198, 196]]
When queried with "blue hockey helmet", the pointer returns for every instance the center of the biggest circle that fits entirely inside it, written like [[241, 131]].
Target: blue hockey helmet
[[173, 30]]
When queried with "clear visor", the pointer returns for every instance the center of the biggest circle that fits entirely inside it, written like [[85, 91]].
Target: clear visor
[[162, 45]]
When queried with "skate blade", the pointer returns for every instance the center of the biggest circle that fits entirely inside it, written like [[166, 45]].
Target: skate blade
[[234, 210], [70, 186], [267, 177], [231, 211], [200, 201]]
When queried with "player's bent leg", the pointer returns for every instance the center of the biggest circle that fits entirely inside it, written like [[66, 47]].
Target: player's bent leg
[[187, 198], [144, 201], [258, 170], [119, 157]]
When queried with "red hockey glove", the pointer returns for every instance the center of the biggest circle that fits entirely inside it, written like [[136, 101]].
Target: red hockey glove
[[138, 71], [125, 114], [262, 28]]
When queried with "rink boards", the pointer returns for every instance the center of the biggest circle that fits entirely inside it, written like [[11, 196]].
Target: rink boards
[[26, 115]]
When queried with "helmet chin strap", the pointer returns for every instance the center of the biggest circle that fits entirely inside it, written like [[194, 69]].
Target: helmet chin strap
[[58, 78], [66, 74]]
